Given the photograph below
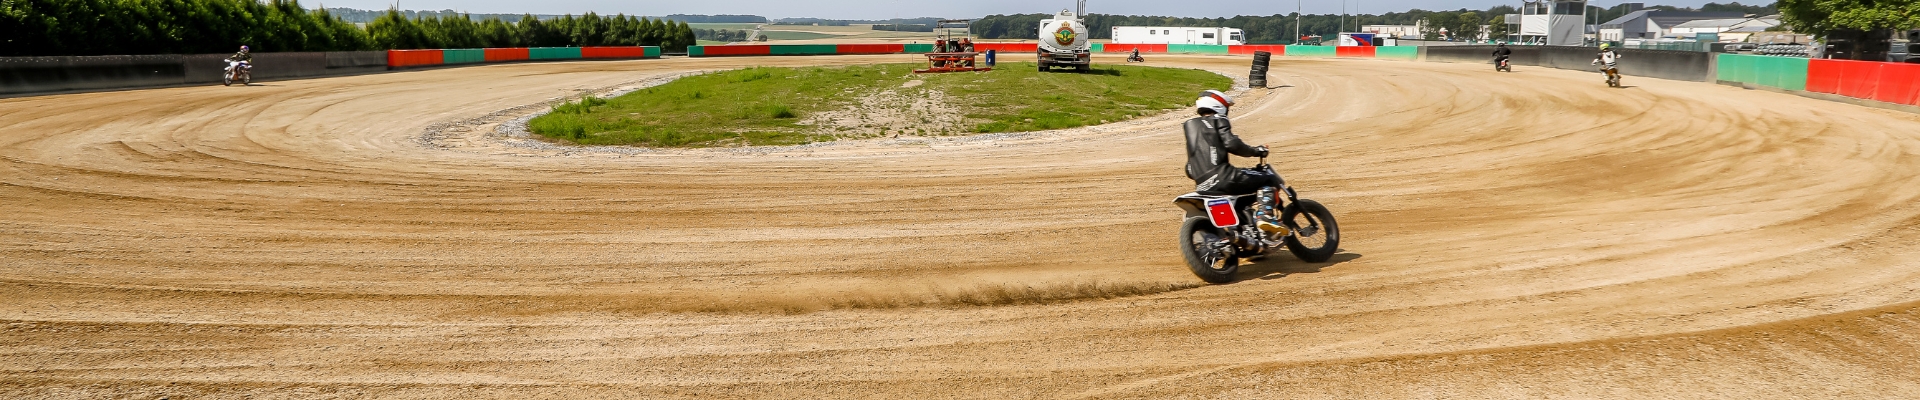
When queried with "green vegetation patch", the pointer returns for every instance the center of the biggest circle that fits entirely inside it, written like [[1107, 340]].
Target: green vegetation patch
[[795, 35], [787, 106]]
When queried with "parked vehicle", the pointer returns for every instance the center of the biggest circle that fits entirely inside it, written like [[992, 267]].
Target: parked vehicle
[[1064, 41], [1219, 231], [1177, 35]]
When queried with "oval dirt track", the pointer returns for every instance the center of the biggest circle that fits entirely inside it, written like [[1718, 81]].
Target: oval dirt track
[[1522, 235]]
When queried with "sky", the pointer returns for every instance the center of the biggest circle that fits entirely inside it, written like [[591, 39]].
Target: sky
[[884, 9]]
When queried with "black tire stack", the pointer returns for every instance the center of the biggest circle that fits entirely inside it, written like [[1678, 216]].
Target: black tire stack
[[1258, 79]]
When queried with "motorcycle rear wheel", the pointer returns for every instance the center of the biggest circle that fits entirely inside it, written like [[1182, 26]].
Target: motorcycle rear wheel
[[1311, 217], [1198, 243]]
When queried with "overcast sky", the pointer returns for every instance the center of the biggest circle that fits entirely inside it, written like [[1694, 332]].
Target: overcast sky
[[883, 9]]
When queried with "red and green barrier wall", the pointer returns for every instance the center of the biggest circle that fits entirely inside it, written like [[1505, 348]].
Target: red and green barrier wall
[[1880, 81], [422, 58]]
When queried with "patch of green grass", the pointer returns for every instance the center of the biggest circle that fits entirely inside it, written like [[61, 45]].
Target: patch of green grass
[[765, 106]]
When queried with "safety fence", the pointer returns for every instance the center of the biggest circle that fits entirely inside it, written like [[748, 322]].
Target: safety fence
[[427, 58], [1896, 83]]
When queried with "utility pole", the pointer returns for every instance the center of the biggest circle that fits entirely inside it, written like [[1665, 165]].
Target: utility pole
[[1298, 8]]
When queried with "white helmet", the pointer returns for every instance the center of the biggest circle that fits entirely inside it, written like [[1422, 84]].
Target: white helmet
[[1214, 100]]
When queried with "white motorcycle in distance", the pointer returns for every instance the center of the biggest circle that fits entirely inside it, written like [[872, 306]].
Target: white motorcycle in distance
[[237, 71]]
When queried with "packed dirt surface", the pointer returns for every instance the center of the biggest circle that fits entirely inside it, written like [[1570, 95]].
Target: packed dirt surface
[[1522, 235]]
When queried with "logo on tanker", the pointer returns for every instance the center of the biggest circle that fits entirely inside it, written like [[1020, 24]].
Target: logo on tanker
[[1065, 35]]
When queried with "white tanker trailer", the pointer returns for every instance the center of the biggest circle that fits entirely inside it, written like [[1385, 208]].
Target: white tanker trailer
[[1064, 41]]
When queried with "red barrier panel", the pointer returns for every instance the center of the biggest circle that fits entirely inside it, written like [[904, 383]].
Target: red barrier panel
[[870, 49], [1889, 82], [1248, 49], [413, 58], [514, 54], [1007, 47], [1858, 79], [616, 52], [1824, 76], [1354, 51], [1899, 83], [739, 50], [1128, 48]]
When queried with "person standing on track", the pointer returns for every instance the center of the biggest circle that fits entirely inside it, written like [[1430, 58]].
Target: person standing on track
[[1210, 139]]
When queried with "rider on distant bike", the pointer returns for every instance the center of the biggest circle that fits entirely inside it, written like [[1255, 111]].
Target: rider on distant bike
[[1135, 56], [1501, 53], [1610, 58], [1210, 139], [242, 56]]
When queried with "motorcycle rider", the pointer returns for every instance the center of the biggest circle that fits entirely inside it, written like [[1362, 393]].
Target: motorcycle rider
[[242, 59], [1210, 139], [1135, 56], [1610, 58], [1501, 53]]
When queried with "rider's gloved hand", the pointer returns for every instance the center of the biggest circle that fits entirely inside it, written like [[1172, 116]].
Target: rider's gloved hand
[[1263, 150]]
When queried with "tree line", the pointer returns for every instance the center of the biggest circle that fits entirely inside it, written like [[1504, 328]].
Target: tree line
[[394, 31], [109, 27]]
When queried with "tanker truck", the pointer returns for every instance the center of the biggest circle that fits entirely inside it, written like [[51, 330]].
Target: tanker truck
[[1064, 41]]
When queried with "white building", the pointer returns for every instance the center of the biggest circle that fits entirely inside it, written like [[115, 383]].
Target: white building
[[1729, 30], [1396, 31], [1655, 24], [1553, 22]]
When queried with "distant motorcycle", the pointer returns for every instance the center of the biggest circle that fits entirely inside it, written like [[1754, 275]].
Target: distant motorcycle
[[1613, 75], [237, 71], [1136, 58], [1501, 65], [1219, 231]]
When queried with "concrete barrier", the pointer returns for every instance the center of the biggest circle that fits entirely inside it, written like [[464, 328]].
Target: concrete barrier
[[55, 74], [1663, 64]]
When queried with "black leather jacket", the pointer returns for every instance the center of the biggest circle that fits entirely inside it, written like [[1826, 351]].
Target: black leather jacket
[[1209, 140], [1502, 52]]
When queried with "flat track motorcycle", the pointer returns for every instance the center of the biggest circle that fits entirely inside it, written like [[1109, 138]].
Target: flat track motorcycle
[[1219, 231]]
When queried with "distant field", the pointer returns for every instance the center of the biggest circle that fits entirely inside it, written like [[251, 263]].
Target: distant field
[[723, 26], [792, 35]]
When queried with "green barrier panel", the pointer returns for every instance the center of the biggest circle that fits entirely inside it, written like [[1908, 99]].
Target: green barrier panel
[[1312, 51], [651, 52], [802, 49], [1726, 67], [696, 51], [920, 48], [463, 56], [1408, 53], [1196, 49], [1790, 73], [554, 53], [1099, 48]]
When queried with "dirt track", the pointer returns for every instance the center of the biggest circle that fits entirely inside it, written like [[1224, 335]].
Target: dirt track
[[1519, 235]]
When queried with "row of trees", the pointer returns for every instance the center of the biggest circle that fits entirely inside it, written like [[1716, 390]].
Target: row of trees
[[723, 35], [104, 27], [394, 31], [96, 27]]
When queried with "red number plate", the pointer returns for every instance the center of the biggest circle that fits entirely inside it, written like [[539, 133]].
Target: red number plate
[[1221, 210]]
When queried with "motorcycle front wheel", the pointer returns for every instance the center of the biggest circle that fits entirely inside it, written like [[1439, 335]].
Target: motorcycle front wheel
[[226, 79], [1206, 251], [1316, 236]]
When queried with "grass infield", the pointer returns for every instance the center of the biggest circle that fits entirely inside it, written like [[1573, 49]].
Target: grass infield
[[788, 106]]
